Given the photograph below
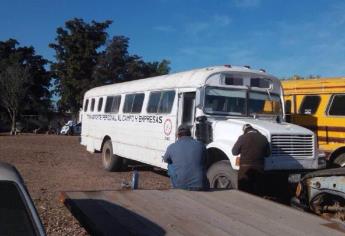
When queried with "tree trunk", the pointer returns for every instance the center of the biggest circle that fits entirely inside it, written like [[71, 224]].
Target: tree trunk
[[13, 129]]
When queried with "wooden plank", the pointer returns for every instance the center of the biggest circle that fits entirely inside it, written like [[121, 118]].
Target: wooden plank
[[285, 219], [96, 215], [174, 214], [195, 218], [178, 212]]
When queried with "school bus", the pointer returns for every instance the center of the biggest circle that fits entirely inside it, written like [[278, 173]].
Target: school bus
[[319, 105], [137, 120]]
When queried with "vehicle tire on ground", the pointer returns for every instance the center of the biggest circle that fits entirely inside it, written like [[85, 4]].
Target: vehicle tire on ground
[[339, 161], [222, 176], [110, 161]]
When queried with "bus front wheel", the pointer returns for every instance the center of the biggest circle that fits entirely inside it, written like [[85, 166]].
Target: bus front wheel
[[339, 161], [222, 176], [110, 161]]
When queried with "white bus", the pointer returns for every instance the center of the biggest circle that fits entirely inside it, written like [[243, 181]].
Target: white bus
[[137, 120]]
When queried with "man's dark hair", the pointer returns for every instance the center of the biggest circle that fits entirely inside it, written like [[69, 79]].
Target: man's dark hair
[[183, 131], [246, 128]]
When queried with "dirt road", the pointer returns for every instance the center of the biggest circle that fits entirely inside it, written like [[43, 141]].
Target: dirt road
[[50, 164]]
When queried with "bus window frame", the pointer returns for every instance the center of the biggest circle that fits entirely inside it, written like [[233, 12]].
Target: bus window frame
[[92, 105], [160, 100], [113, 97], [317, 108], [133, 94], [86, 105], [330, 102], [100, 108]]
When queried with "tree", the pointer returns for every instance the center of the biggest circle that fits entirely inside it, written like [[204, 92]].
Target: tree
[[13, 89], [77, 53], [81, 64], [36, 99], [117, 65]]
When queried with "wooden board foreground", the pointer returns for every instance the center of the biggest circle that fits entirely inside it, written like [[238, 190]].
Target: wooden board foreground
[[178, 212]]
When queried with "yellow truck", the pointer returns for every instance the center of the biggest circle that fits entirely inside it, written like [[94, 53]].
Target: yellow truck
[[319, 105]]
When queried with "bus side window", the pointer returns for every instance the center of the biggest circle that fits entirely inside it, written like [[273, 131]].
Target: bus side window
[[92, 104], [112, 104], [310, 104], [152, 106], [100, 104], [336, 108], [161, 102], [86, 105], [133, 103]]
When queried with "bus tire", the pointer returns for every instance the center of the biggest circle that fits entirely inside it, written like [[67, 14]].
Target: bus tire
[[339, 161], [222, 176], [110, 161]]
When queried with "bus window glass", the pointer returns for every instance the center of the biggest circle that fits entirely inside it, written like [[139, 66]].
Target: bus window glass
[[166, 102], [225, 101], [260, 83], [188, 108], [100, 104], [133, 103], [86, 104], [233, 81], [309, 105], [112, 104], [108, 104], [264, 103], [127, 107], [337, 106], [152, 106], [138, 103], [116, 104], [92, 104]]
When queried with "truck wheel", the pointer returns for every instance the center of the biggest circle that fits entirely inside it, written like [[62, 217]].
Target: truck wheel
[[110, 161], [339, 161], [222, 176]]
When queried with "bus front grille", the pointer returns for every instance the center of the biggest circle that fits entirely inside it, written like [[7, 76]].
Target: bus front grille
[[294, 146]]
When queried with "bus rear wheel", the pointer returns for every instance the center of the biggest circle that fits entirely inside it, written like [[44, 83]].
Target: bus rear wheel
[[222, 176], [110, 161]]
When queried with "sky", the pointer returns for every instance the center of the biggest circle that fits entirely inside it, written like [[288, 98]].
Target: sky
[[286, 38]]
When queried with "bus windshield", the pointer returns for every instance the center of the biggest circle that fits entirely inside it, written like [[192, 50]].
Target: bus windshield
[[264, 103], [240, 102]]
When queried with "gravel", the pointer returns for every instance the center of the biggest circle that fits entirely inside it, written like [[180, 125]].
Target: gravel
[[50, 164]]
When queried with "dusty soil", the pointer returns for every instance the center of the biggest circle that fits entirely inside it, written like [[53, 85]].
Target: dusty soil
[[50, 164]]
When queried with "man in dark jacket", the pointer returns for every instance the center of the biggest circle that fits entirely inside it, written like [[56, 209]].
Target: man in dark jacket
[[252, 147], [186, 160]]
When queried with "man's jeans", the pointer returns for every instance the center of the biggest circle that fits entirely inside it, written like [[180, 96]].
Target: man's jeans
[[173, 179], [172, 175]]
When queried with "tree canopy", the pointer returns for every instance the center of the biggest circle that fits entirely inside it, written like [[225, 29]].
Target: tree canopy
[[85, 58], [24, 81]]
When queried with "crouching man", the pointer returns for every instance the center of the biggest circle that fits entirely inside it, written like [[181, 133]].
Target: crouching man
[[186, 160], [252, 147]]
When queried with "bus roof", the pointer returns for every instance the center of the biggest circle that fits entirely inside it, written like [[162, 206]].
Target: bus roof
[[314, 86], [193, 78]]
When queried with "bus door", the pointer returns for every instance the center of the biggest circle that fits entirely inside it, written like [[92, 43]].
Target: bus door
[[187, 109]]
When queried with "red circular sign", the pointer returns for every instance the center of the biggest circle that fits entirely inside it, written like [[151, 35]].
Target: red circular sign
[[167, 127]]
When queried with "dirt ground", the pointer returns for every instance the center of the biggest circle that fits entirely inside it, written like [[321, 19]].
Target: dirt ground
[[50, 164]]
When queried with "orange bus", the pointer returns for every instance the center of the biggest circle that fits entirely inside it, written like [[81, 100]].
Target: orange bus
[[319, 105]]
